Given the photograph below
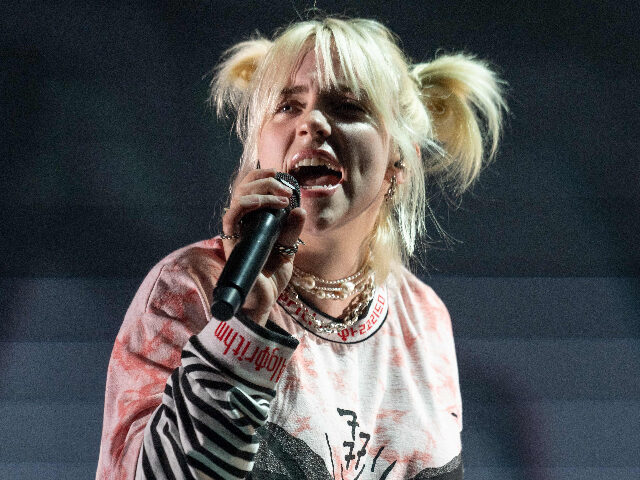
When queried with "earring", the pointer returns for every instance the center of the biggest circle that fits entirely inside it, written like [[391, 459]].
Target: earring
[[392, 189]]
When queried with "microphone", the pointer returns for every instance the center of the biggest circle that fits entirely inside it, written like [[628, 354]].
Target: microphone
[[258, 233]]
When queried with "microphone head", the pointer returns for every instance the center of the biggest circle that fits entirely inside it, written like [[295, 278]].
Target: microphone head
[[292, 183]]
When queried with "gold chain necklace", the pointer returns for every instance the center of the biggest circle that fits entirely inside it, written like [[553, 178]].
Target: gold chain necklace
[[350, 314], [331, 289]]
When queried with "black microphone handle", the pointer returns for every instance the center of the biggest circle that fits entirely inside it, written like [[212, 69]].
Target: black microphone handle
[[260, 231]]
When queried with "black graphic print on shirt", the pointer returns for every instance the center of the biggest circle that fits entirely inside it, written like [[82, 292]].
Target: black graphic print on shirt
[[284, 457]]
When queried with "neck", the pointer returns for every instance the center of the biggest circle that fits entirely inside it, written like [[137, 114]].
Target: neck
[[335, 253], [332, 256]]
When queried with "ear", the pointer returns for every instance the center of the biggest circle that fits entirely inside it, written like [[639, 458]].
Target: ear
[[400, 171], [398, 167]]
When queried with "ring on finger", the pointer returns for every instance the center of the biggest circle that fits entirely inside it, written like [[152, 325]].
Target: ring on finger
[[287, 250], [233, 236]]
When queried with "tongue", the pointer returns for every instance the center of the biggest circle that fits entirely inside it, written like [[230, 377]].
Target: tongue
[[313, 180], [313, 176]]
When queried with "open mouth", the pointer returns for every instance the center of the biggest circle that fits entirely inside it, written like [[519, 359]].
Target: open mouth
[[316, 174]]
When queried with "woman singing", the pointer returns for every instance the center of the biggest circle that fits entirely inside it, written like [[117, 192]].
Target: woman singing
[[341, 363]]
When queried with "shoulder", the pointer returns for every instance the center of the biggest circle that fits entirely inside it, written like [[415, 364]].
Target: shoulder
[[180, 285], [194, 266], [203, 256], [418, 304], [414, 290]]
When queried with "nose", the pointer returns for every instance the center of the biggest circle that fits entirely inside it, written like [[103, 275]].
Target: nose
[[315, 124]]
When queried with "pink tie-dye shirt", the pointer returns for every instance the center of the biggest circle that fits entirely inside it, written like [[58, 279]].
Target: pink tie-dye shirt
[[193, 397]]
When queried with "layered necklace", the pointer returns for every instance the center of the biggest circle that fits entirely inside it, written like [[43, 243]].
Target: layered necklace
[[361, 284]]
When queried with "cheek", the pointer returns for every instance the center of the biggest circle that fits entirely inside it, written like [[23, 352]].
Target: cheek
[[374, 152], [271, 149]]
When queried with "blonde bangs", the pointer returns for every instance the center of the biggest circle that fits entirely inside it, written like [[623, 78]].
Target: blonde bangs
[[345, 51]]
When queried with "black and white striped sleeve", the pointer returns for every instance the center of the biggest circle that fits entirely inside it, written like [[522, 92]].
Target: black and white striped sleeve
[[214, 402]]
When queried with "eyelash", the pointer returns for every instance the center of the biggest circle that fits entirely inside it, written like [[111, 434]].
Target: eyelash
[[348, 105], [351, 106], [284, 105]]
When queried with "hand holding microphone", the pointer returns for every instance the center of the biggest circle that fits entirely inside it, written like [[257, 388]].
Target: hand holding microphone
[[263, 211]]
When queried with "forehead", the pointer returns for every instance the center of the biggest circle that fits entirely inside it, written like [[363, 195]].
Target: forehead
[[308, 68], [310, 74]]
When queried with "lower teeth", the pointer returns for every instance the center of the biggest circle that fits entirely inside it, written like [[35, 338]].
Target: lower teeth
[[316, 187]]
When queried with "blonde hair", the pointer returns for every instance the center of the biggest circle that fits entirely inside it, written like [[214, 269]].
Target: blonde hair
[[444, 117]]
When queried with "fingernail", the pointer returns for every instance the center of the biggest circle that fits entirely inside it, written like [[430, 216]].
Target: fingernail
[[283, 200]]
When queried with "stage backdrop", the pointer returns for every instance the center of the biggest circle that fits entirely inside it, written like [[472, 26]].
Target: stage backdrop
[[111, 159]]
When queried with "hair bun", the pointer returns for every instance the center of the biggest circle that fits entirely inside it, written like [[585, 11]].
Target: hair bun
[[235, 72], [464, 99]]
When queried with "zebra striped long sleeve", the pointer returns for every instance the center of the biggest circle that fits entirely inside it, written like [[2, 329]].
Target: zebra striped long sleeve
[[184, 392], [214, 402]]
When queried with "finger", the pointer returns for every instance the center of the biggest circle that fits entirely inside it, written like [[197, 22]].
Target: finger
[[256, 201], [292, 228], [288, 238], [278, 262], [257, 174], [267, 185], [248, 203]]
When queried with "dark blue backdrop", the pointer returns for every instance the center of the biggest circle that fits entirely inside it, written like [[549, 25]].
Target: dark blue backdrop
[[110, 160]]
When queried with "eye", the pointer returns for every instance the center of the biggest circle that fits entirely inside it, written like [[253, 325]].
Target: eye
[[287, 107], [352, 106], [349, 108]]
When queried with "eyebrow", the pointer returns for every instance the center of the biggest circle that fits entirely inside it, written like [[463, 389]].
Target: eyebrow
[[341, 88], [294, 90]]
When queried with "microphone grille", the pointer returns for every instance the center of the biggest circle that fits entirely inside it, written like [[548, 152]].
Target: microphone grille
[[292, 183]]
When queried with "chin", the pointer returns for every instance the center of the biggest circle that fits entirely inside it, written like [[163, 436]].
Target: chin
[[316, 227], [318, 222]]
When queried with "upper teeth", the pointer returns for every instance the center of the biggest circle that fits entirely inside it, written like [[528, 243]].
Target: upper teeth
[[314, 162]]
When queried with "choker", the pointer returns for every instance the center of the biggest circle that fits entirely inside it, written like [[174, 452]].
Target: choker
[[331, 289], [350, 314]]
